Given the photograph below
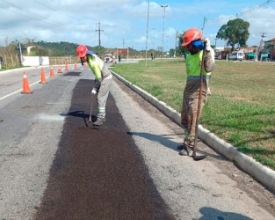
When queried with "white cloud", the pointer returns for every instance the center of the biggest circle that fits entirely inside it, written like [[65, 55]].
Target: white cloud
[[124, 20], [261, 21]]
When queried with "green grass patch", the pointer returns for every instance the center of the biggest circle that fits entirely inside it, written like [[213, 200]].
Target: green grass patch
[[11, 68]]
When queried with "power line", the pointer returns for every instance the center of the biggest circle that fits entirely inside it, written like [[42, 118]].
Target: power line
[[255, 7], [26, 11], [242, 13], [37, 17], [44, 5], [19, 13], [50, 8], [58, 11]]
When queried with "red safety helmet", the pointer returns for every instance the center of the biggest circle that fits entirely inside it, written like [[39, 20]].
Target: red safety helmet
[[81, 50], [191, 35]]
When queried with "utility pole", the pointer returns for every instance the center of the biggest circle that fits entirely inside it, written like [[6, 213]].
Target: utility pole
[[20, 51], [203, 25], [257, 51], [167, 37], [154, 43], [176, 40], [148, 8], [99, 30], [163, 6]]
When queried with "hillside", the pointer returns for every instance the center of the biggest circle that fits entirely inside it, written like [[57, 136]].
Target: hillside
[[56, 48]]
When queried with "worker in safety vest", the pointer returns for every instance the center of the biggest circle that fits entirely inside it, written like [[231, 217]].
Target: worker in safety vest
[[103, 79], [194, 44]]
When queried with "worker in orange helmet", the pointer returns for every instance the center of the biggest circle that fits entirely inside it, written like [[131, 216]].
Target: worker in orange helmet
[[195, 44], [103, 79]]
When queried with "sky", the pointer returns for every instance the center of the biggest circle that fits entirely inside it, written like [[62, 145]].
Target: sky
[[139, 24]]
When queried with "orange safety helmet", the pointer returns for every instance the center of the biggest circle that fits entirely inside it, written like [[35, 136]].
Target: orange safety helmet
[[191, 35], [81, 50]]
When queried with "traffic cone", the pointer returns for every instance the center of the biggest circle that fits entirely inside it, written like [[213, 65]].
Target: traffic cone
[[26, 87], [51, 72], [59, 70], [43, 77]]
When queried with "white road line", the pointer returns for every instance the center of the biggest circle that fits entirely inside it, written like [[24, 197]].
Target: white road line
[[6, 96]]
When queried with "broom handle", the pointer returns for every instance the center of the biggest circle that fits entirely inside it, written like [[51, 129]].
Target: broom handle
[[91, 107], [199, 102]]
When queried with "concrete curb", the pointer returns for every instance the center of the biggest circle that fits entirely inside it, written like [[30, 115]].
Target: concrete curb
[[261, 173], [18, 69]]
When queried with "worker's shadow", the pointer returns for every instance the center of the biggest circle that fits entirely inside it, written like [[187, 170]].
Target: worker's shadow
[[81, 114], [166, 141], [212, 213]]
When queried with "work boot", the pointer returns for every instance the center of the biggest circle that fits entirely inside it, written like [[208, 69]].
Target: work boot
[[1, 119], [189, 144], [99, 121], [183, 151]]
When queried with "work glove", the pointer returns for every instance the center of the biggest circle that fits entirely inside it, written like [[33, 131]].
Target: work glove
[[93, 92], [206, 42]]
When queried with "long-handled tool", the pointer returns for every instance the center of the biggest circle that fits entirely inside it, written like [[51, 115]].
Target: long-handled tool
[[201, 157], [91, 108]]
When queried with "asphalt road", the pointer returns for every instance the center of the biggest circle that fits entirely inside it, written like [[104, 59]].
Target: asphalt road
[[54, 165]]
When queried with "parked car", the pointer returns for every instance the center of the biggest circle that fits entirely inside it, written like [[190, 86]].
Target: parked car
[[108, 58], [236, 55], [251, 55]]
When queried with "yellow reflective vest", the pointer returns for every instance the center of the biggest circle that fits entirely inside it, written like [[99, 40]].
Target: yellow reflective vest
[[193, 64]]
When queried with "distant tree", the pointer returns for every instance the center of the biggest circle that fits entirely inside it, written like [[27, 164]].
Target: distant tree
[[172, 52], [28, 40], [39, 51], [235, 32]]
